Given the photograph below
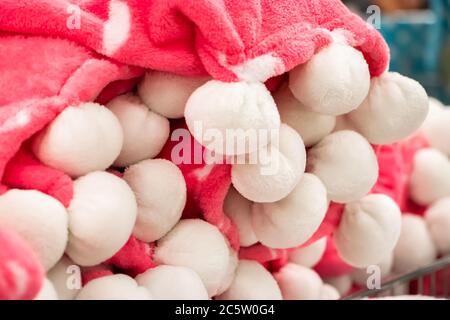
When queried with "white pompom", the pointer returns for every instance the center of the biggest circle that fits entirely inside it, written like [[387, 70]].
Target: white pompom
[[232, 118], [252, 282], [160, 192], [329, 292], [437, 218], [430, 178], [66, 278], [198, 245], [114, 287], [40, 219], [310, 255], [311, 126], [342, 283], [239, 210], [299, 283], [437, 130], [346, 164], [369, 230], [173, 283], [335, 81], [101, 218], [415, 248], [167, 93], [291, 221], [271, 174], [80, 140], [144, 131], [360, 276], [395, 107], [47, 292]]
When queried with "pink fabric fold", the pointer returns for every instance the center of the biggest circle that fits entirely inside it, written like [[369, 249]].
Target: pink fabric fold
[[21, 273], [193, 37], [39, 78]]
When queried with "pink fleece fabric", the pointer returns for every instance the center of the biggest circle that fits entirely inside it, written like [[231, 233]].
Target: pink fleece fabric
[[24, 171], [134, 257], [21, 274]]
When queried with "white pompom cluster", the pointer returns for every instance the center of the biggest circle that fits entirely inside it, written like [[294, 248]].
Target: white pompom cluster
[[423, 237], [85, 141], [430, 178], [318, 129], [337, 117], [332, 107]]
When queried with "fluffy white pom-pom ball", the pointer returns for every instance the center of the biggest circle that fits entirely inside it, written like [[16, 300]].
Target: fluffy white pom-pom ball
[[271, 174], [40, 219], [160, 192], [144, 132], [173, 283], [430, 178], [437, 130], [80, 140], [232, 118], [198, 245], [369, 230], [346, 164], [114, 287], [252, 282], [335, 81], [395, 107], [101, 217], [299, 283], [415, 248]]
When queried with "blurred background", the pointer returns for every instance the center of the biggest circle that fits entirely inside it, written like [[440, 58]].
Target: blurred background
[[418, 33]]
